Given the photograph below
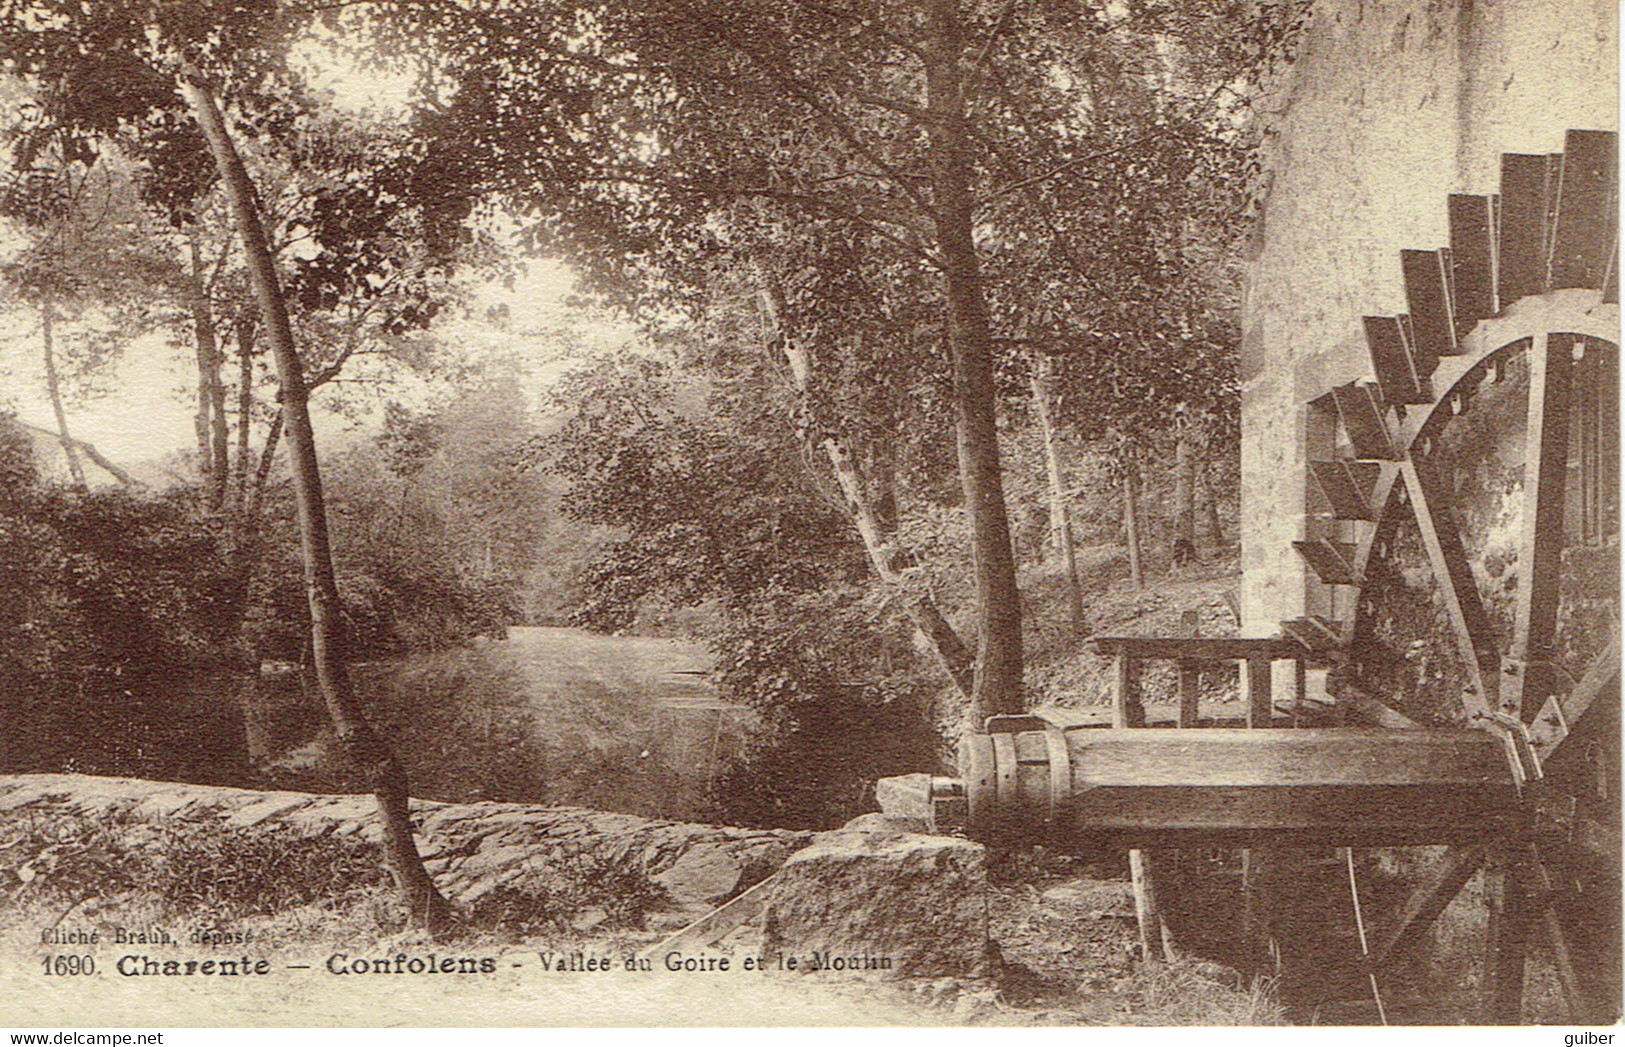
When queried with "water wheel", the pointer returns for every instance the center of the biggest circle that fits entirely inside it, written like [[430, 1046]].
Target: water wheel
[[1463, 538]]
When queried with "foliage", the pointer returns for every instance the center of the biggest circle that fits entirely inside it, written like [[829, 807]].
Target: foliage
[[267, 869], [550, 901], [192, 868], [706, 508]]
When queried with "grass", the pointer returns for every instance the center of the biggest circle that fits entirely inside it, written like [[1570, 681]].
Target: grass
[[1192, 992]]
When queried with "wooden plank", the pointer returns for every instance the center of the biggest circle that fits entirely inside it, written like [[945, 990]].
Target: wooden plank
[[1299, 815], [1530, 676], [1260, 708], [1342, 489], [1157, 714], [1127, 710], [1362, 418], [1506, 948], [1522, 252], [1394, 363], [1199, 648], [1156, 941], [717, 923], [1584, 231], [1316, 634], [1472, 260], [1433, 321], [1332, 562], [1425, 905]]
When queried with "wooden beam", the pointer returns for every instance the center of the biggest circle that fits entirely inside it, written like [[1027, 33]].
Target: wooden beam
[[1189, 693], [1427, 291], [1557, 942], [1198, 648], [1393, 359], [1190, 677], [1506, 949], [1472, 259], [1584, 233], [1260, 706], [1525, 187], [1529, 676], [1156, 940], [1362, 414], [1127, 709], [1332, 756], [1425, 905]]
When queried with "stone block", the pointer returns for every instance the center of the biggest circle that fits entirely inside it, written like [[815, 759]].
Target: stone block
[[703, 874], [897, 904]]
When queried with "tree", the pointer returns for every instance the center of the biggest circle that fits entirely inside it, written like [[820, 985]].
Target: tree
[[89, 268], [71, 55], [955, 136], [362, 746]]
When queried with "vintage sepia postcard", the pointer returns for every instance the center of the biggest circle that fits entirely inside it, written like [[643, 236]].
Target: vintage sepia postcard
[[815, 513]]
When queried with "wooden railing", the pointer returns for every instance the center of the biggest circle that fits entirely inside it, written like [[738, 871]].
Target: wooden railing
[[1189, 652]]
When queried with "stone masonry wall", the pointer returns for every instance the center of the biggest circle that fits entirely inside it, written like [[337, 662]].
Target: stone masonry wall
[[1390, 106]]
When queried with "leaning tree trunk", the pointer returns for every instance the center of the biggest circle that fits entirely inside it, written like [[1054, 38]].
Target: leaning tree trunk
[[1060, 512], [363, 747], [970, 341], [53, 386], [955, 658]]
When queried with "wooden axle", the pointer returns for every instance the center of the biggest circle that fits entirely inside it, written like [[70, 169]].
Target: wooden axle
[[1345, 787]]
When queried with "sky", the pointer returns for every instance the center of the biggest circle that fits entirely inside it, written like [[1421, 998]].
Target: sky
[[148, 411]]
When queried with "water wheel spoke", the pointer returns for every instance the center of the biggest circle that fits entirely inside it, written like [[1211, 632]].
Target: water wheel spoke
[[1428, 902], [1558, 717], [1528, 677], [1441, 536]]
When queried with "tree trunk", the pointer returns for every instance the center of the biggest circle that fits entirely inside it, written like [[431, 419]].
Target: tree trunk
[[54, 387], [245, 411], [210, 419], [1060, 511], [970, 340], [1184, 546], [922, 610], [262, 473], [363, 747], [103, 462], [1210, 500], [1131, 514]]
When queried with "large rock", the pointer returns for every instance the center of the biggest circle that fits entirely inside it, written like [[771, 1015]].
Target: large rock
[[880, 900], [704, 874], [470, 849]]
